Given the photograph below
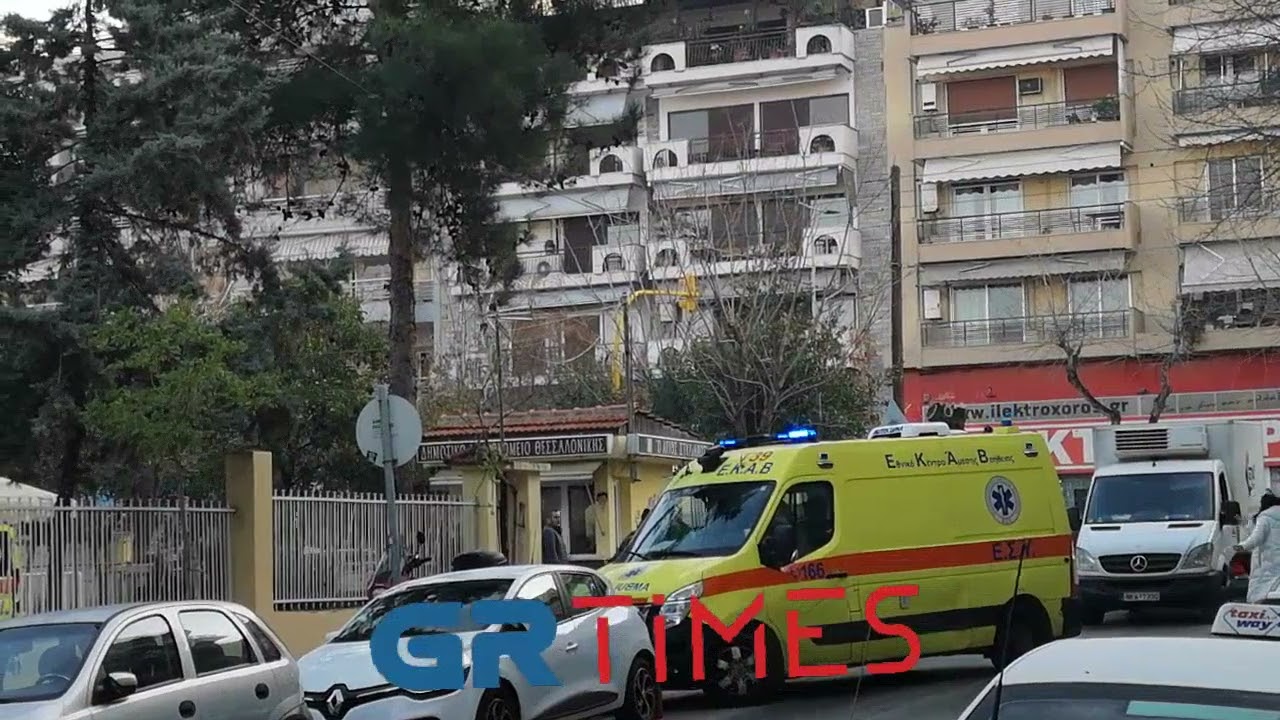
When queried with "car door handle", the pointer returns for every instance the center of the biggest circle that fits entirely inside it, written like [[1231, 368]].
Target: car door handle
[[262, 691], [187, 709], [571, 647]]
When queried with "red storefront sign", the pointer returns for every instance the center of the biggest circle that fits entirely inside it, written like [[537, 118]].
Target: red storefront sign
[[1071, 442]]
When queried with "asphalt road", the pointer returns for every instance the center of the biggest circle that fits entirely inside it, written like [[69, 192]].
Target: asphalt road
[[938, 689]]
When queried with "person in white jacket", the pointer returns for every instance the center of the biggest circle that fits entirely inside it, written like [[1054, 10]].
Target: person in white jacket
[[1264, 543]]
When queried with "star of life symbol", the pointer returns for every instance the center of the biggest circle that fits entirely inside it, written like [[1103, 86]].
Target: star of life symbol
[[1002, 500]]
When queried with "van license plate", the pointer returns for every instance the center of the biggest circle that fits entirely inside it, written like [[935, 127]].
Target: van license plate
[[1142, 597]]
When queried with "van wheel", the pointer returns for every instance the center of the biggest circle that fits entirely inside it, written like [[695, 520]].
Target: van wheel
[[498, 704], [731, 671], [1022, 637], [643, 697]]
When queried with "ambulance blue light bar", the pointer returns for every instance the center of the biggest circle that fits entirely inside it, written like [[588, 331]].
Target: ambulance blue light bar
[[794, 435]]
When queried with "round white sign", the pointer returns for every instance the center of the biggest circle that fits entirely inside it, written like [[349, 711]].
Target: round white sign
[[1002, 500], [406, 431]]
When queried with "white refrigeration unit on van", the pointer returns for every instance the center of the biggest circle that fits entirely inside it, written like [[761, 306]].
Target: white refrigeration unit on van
[[1167, 504]]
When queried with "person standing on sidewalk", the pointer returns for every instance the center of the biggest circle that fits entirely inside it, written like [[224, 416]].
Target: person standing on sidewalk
[[553, 549]]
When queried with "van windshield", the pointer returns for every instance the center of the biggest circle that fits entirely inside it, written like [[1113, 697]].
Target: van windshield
[[1151, 497], [702, 520]]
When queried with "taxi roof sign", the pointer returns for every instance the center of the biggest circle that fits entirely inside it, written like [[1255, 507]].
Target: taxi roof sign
[[1248, 620]]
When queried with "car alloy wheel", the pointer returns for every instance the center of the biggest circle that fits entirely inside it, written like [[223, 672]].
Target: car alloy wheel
[[644, 692], [735, 669], [499, 709]]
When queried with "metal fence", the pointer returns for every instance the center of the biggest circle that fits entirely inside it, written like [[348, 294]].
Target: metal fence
[[90, 553], [327, 547]]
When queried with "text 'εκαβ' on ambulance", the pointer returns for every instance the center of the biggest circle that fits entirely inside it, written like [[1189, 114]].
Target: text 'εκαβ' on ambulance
[[975, 520], [1165, 509]]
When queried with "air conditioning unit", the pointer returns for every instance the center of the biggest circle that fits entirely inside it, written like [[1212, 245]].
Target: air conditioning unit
[[1030, 86], [928, 97], [931, 300]]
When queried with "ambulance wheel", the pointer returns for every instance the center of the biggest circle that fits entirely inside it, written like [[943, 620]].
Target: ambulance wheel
[[731, 670], [1016, 637], [498, 704], [643, 697]]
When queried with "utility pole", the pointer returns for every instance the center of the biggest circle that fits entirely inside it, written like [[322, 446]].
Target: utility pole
[[630, 384], [895, 270]]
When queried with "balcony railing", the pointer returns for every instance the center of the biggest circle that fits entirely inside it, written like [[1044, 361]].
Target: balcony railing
[[1228, 203], [1248, 308], [748, 146], [1234, 95], [1014, 119], [375, 289], [951, 15], [1029, 223], [739, 48], [1103, 325]]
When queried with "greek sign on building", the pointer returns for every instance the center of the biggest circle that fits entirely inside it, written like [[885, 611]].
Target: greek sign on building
[[536, 447]]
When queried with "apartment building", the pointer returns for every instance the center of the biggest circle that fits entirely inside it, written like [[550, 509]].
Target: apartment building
[[760, 151], [1085, 177]]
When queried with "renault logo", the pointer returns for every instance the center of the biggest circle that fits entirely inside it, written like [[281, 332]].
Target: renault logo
[[335, 701], [1138, 563]]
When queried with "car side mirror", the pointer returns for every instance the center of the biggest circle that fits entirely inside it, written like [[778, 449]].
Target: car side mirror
[[422, 539], [329, 636], [115, 686], [1073, 518], [1230, 513]]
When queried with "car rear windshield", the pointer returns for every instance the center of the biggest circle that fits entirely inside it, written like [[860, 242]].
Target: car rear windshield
[[1099, 701], [702, 520], [1151, 497], [467, 592], [39, 662]]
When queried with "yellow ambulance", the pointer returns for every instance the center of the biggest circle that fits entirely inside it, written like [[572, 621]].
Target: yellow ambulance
[[976, 520]]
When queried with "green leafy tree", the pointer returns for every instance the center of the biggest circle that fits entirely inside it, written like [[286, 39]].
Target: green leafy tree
[[173, 392], [436, 104], [314, 361], [142, 123]]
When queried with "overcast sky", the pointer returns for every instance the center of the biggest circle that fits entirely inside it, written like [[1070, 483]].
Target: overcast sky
[[32, 8]]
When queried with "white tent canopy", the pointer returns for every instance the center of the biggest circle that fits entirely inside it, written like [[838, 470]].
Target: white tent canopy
[[12, 491]]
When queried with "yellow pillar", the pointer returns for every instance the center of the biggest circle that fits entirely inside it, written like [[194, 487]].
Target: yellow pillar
[[478, 486], [527, 479], [248, 480]]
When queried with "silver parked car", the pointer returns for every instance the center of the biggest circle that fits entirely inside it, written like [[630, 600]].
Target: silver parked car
[[156, 661]]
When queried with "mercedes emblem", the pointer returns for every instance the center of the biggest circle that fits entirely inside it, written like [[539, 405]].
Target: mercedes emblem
[[334, 702], [1138, 563]]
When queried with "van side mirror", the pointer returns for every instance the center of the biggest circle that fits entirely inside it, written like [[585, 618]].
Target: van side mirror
[[115, 686], [1073, 518], [1230, 513], [777, 547]]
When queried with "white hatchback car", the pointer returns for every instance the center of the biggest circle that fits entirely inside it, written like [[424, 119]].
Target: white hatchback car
[[340, 681], [1230, 677]]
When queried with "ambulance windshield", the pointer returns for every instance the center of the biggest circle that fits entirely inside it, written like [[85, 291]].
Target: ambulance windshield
[[1151, 497], [702, 520]]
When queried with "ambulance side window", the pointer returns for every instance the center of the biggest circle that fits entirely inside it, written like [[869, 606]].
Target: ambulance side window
[[809, 509]]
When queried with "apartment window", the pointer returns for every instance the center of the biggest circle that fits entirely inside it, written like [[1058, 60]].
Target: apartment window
[[987, 314], [780, 121], [1099, 306], [724, 133], [1088, 83], [785, 222], [1235, 185], [1215, 69], [1098, 189], [829, 210], [540, 345], [981, 102], [987, 210]]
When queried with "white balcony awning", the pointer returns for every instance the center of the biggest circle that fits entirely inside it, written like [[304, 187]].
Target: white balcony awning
[[1015, 55], [1020, 163], [1231, 265], [1107, 261], [1218, 37], [327, 247]]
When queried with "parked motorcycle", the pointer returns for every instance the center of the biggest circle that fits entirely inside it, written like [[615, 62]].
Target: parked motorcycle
[[382, 580]]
